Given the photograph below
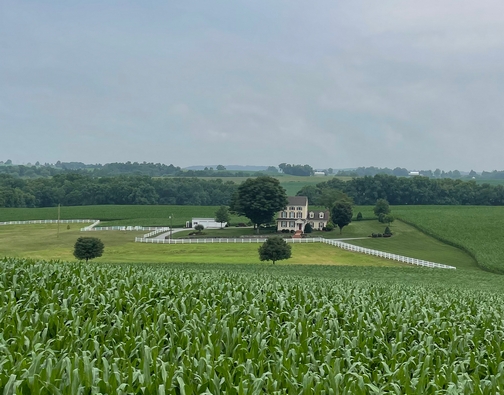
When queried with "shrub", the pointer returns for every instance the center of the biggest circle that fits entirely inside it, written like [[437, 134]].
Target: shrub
[[329, 227], [387, 232], [359, 216], [199, 228], [308, 228]]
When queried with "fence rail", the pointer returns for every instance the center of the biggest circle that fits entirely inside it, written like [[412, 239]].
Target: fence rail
[[335, 243], [49, 221]]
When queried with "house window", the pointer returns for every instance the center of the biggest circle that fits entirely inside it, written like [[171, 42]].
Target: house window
[[321, 215], [292, 224], [311, 214], [292, 208], [284, 214], [300, 208], [312, 224], [299, 215], [320, 225], [283, 224], [291, 215]]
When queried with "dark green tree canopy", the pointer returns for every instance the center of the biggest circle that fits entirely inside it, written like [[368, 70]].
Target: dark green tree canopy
[[381, 207], [341, 214], [88, 248], [274, 249], [259, 199], [222, 215]]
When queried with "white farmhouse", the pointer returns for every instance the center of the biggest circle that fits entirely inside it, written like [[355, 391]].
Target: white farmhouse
[[296, 215]]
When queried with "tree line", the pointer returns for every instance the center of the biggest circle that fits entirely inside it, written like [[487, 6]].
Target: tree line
[[116, 169], [76, 189], [401, 191]]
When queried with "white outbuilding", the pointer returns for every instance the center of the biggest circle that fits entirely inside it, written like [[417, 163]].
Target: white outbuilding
[[208, 223]]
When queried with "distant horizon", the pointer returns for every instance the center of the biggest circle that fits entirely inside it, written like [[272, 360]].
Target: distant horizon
[[247, 167]]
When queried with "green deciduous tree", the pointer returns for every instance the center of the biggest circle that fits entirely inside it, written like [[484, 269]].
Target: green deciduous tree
[[222, 215], [88, 248], [386, 218], [274, 249], [381, 207], [341, 214], [259, 199]]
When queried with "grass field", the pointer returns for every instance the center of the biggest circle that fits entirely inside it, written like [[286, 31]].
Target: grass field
[[40, 242], [477, 229], [69, 328]]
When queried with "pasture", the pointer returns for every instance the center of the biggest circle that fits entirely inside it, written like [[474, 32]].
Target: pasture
[[122, 329], [41, 242]]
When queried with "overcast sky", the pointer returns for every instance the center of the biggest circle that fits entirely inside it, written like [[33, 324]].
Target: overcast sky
[[415, 84]]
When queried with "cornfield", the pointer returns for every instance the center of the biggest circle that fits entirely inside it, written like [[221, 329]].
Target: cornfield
[[68, 328]]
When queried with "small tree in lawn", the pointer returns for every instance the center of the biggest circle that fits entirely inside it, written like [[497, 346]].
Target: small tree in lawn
[[381, 207], [308, 228], [386, 218], [359, 216], [199, 228], [88, 248], [274, 249], [341, 214], [222, 215]]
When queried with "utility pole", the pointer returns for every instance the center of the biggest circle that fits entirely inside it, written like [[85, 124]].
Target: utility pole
[[59, 216], [171, 225]]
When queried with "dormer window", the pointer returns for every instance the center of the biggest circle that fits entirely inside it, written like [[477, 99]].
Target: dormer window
[[321, 215], [311, 214]]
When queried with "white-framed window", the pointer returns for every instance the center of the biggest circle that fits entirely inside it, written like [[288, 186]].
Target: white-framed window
[[292, 224], [299, 215], [321, 215], [312, 225], [291, 214], [311, 214], [284, 214], [292, 208], [300, 208], [320, 225], [283, 224]]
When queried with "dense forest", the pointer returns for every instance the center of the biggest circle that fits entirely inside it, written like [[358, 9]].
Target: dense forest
[[77, 189], [403, 190]]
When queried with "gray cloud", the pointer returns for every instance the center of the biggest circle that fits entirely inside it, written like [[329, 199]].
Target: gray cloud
[[413, 84]]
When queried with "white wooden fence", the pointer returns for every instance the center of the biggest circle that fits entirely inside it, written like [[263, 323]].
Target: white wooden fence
[[90, 228], [335, 243], [49, 221]]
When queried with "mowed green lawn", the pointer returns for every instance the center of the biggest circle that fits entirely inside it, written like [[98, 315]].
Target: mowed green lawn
[[41, 242]]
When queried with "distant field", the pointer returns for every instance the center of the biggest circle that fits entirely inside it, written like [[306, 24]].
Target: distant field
[[491, 182], [478, 229], [292, 184], [117, 215]]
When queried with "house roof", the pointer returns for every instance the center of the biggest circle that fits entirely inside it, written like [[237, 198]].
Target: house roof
[[297, 200]]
